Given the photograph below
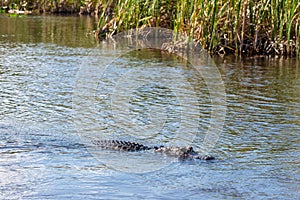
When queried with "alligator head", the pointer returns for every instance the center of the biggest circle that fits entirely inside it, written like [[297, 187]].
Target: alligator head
[[182, 153]]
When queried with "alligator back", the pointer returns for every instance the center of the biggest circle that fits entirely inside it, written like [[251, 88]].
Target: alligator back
[[120, 145], [180, 152]]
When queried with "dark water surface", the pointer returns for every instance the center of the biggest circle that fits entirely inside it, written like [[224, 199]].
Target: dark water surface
[[42, 156]]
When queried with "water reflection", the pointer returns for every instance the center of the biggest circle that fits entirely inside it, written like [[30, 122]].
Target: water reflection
[[263, 117], [63, 30]]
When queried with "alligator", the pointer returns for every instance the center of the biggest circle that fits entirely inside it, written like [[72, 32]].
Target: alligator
[[182, 153]]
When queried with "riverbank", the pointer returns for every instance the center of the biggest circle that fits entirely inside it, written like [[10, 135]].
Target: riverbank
[[244, 28]]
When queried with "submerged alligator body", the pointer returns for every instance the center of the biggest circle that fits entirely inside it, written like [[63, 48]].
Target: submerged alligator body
[[180, 152]]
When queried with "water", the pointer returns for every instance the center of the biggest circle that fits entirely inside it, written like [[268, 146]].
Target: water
[[44, 154]]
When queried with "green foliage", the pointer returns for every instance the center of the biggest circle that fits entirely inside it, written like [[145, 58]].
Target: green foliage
[[229, 24]]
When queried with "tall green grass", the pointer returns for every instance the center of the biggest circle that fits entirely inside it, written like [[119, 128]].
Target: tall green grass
[[233, 26]]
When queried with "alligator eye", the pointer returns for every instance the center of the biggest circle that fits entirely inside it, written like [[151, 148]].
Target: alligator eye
[[208, 158]]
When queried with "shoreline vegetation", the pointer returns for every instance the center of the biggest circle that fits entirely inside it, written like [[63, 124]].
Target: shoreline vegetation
[[233, 27]]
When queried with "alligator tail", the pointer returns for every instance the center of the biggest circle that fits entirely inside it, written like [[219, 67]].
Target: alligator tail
[[120, 145]]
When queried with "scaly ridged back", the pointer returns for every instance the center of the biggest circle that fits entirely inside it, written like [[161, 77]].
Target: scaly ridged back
[[120, 145], [180, 152]]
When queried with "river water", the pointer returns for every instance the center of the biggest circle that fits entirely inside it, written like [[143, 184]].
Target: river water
[[146, 96]]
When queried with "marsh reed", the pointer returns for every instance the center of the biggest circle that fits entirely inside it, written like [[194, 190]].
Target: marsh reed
[[249, 27]]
